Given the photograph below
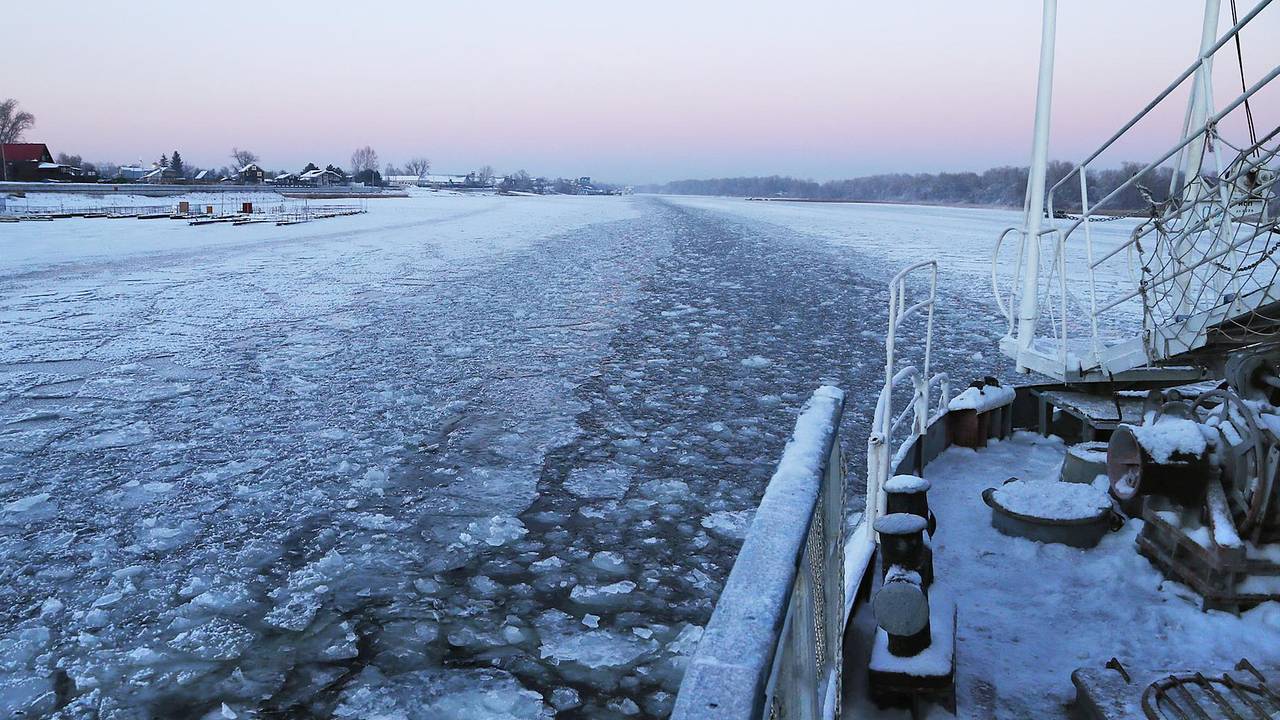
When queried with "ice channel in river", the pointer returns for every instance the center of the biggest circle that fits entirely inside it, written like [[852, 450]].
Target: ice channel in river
[[461, 457]]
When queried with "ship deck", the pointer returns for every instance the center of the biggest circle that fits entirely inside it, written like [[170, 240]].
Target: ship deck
[[1030, 613]]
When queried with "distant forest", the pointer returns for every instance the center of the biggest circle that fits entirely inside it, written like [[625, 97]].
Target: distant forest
[[997, 187]]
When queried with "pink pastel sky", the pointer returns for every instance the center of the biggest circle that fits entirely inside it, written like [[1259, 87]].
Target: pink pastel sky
[[623, 91]]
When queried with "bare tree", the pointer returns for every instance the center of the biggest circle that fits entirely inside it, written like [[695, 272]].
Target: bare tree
[[418, 166], [366, 158], [243, 157], [12, 122], [484, 175]]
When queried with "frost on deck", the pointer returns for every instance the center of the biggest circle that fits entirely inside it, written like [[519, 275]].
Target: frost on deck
[[1030, 613], [461, 454]]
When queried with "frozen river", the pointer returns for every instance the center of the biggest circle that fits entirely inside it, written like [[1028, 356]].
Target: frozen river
[[460, 457]]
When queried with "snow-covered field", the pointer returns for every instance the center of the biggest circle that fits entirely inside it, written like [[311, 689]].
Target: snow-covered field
[[462, 456]]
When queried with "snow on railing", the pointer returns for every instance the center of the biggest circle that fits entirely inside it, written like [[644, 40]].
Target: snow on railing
[[883, 454], [773, 647]]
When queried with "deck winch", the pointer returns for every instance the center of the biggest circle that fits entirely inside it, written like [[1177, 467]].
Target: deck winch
[[1165, 456], [1202, 475]]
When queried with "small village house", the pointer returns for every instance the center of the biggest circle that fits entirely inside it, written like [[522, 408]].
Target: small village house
[[31, 162], [132, 172], [321, 178], [159, 174], [250, 174], [446, 181]]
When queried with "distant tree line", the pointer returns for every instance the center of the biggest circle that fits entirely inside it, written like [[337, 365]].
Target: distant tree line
[[997, 187], [364, 165]]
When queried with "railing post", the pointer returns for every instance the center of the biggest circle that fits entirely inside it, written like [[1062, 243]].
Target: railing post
[[1088, 250], [877, 448]]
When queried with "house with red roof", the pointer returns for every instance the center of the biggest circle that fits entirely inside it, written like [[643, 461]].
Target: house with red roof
[[31, 162]]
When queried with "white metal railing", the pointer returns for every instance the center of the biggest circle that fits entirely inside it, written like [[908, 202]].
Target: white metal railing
[[1203, 257], [883, 452]]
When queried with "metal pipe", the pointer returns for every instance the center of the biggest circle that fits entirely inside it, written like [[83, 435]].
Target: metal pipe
[[1153, 165], [995, 275], [1201, 104], [1201, 100], [1027, 306], [1245, 697], [1168, 90], [1221, 701]]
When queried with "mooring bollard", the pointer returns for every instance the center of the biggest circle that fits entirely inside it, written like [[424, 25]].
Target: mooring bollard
[[901, 606], [909, 494]]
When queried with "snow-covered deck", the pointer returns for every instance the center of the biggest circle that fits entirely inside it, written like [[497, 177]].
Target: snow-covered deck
[[1031, 613]]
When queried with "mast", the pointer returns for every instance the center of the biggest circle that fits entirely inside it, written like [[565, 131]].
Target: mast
[[1200, 106], [1034, 210]]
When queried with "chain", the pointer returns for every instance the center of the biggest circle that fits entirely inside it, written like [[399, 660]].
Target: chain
[[1153, 209], [1064, 215], [1243, 268]]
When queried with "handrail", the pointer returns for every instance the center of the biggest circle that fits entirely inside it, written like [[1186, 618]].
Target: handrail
[[1182, 77], [880, 453], [995, 280], [1209, 217], [1191, 137], [1254, 164]]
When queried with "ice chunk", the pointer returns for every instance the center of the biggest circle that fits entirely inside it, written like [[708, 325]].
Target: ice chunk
[[426, 586], [626, 706], [665, 490], [495, 532], [295, 613], [26, 697], [565, 698], [563, 641], [609, 561], [27, 509], [599, 482], [484, 585], [218, 639], [440, 694], [686, 640], [547, 564], [732, 524], [601, 595]]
